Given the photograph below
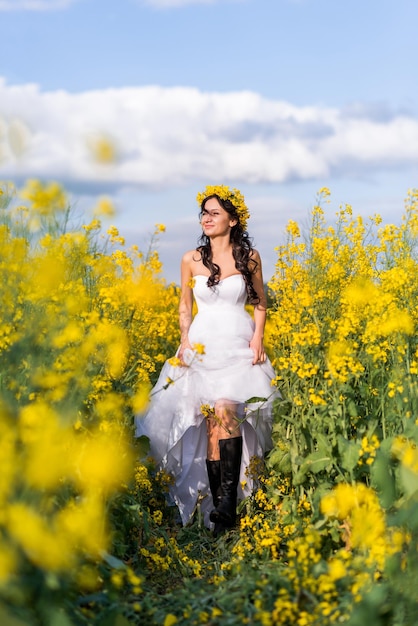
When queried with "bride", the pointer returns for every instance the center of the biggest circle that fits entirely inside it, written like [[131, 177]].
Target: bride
[[201, 427]]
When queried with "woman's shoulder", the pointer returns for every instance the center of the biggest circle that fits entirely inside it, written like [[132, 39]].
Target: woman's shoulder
[[254, 262], [191, 256], [190, 260], [254, 254]]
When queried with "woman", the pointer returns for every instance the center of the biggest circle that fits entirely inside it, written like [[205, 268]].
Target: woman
[[201, 427]]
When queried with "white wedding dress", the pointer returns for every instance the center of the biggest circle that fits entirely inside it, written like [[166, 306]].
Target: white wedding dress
[[174, 422]]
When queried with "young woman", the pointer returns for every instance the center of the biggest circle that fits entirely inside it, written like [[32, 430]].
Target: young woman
[[201, 427]]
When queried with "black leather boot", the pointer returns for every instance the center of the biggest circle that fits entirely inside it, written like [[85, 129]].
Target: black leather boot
[[214, 475], [231, 453]]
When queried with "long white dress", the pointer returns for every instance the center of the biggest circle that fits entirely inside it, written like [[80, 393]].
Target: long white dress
[[174, 421]]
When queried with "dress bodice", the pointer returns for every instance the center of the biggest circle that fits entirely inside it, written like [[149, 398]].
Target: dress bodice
[[230, 291]]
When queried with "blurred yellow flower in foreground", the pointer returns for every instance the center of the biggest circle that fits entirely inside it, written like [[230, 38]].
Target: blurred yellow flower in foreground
[[104, 208], [102, 149], [103, 462], [45, 198]]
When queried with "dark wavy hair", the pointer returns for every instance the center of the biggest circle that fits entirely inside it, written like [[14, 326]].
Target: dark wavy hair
[[241, 251]]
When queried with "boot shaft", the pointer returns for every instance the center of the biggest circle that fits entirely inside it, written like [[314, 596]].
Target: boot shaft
[[231, 454], [214, 475]]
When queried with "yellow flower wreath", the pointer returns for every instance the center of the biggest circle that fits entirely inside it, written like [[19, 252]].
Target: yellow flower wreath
[[225, 193]]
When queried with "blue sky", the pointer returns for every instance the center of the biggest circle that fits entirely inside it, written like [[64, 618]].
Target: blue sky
[[276, 97]]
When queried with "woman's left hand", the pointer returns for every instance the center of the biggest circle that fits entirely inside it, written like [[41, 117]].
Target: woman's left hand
[[257, 347]]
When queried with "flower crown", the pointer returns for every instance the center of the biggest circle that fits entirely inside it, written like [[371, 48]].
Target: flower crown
[[225, 193]]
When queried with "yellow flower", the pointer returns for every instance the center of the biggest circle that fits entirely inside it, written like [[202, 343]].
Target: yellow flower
[[293, 229], [117, 577], [42, 544], [225, 193], [88, 578], [113, 232], [104, 207], [170, 620], [140, 400], [336, 569], [406, 452], [82, 526], [398, 322], [207, 410], [174, 361], [157, 517], [142, 481], [95, 224], [340, 502], [45, 198], [103, 462], [324, 191], [102, 149]]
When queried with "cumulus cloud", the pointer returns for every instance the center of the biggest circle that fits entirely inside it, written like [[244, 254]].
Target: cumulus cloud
[[34, 5], [155, 137]]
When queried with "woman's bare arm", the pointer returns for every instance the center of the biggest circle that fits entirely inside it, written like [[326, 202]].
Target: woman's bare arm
[[186, 303], [260, 313]]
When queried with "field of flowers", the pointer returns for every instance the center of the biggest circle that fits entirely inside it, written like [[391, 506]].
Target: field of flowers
[[86, 538]]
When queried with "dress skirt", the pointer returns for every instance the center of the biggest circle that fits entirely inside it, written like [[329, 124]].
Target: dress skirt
[[220, 368]]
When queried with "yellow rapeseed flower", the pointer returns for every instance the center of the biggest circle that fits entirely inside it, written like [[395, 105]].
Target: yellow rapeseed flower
[[140, 400], [45, 198], [104, 208], [102, 149], [292, 228], [83, 526], [174, 361], [336, 569], [103, 462], [39, 540]]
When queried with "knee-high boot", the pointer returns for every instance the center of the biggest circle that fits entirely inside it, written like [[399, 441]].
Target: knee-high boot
[[231, 454], [214, 475]]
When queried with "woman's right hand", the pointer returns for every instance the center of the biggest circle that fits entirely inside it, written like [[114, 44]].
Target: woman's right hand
[[182, 353]]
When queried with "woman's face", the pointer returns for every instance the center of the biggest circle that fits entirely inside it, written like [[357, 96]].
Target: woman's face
[[215, 220]]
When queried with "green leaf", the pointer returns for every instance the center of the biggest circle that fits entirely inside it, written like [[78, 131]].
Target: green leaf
[[382, 479], [280, 460], [349, 453], [255, 399], [313, 463], [352, 408], [317, 461], [324, 444]]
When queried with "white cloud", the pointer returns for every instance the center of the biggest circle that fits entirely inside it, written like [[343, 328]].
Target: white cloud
[[34, 5], [174, 136]]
